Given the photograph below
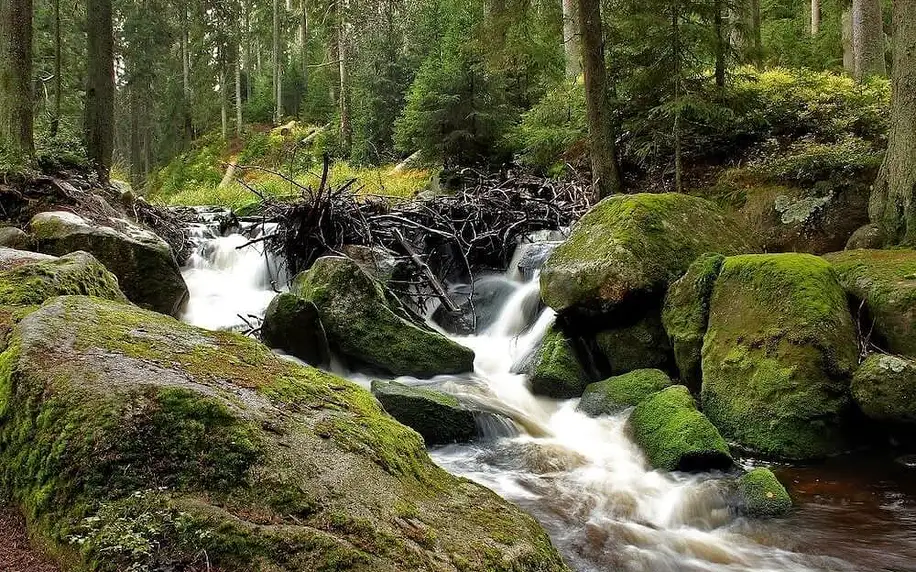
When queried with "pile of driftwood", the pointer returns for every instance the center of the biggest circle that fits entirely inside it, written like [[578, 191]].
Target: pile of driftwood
[[455, 234]]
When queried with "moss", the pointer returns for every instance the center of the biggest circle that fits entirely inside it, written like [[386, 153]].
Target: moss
[[778, 354], [884, 388], [293, 325], [437, 416], [612, 395], [634, 245], [762, 495], [365, 325], [685, 315], [556, 370], [642, 345], [34, 282]]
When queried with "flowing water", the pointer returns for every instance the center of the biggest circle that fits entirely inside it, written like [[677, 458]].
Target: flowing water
[[584, 480]]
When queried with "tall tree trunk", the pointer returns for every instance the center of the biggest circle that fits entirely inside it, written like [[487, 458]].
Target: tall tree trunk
[[746, 34], [676, 52], [186, 77], [605, 175], [224, 96], [278, 87], [238, 91], [571, 40], [16, 138], [868, 38], [58, 79], [849, 57], [815, 17], [136, 145], [100, 90], [893, 200], [721, 42], [346, 131], [304, 44]]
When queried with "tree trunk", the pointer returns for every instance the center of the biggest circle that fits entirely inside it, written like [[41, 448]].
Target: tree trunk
[[186, 77], [223, 97], [746, 35], [16, 139], [815, 17], [893, 200], [868, 39], [238, 91], [304, 44], [571, 40], [278, 88], [721, 42], [676, 52], [605, 176], [100, 90], [136, 146], [58, 79], [346, 131], [849, 57]]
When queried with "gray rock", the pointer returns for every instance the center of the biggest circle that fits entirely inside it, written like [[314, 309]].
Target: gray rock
[[435, 415], [12, 237], [293, 325]]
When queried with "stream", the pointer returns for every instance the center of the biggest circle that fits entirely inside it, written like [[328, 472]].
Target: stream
[[583, 479]]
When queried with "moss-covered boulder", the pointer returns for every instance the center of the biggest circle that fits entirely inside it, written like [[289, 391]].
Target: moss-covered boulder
[[761, 495], [685, 315], [132, 441], [778, 355], [293, 325], [435, 415], [627, 390], [886, 281], [364, 323], [867, 236], [12, 237], [884, 388], [144, 264], [674, 435], [28, 279], [639, 345], [555, 370], [631, 246]]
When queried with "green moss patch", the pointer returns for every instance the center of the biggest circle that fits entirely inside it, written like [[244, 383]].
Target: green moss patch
[[884, 388], [437, 416], [762, 495], [611, 395], [556, 370]]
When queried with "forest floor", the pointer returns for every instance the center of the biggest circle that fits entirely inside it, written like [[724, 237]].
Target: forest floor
[[16, 554]]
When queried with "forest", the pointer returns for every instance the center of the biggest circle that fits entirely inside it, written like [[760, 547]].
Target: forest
[[457, 285]]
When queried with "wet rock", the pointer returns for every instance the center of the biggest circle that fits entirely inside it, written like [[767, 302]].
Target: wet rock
[[886, 281], [778, 355], [12, 237], [379, 263], [884, 388], [617, 393], [435, 415], [631, 247], [144, 264], [532, 256], [29, 279], [761, 495], [642, 345], [364, 324], [674, 435], [866, 237], [479, 310], [685, 315], [555, 368], [293, 325], [116, 418]]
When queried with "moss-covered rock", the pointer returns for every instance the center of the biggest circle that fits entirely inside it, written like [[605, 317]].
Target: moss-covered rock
[[866, 236], [132, 441], [28, 279], [293, 325], [144, 264], [617, 393], [886, 281], [12, 237], [778, 355], [685, 315], [640, 345], [674, 435], [365, 324], [435, 415], [631, 246], [555, 369], [884, 388], [761, 495]]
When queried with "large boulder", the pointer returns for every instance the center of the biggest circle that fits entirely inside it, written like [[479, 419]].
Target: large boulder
[[555, 370], [293, 325], [617, 393], [884, 388], [365, 324], [12, 237], [778, 355], [143, 262], [205, 450], [885, 280], [639, 345], [435, 415], [685, 315], [674, 435], [761, 495], [628, 247]]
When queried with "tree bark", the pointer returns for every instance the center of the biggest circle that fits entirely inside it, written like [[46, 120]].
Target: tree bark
[[605, 175], [304, 44], [815, 17], [16, 138], [58, 79], [746, 34], [223, 96], [238, 91], [278, 87], [893, 200], [868, 39], [346, 130], [571, 47], [721, 42], [849, 57], [186, 77], [100, 89]]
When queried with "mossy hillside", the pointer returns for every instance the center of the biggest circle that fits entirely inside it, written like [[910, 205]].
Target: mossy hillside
[[778, 355], [884, 388], [364, 324], [255, 461], [685, 315], [627, 390], [640, 345], [674, 435], [762, 495], [435, 415], [630, 246], [556, 370], [886, 281]]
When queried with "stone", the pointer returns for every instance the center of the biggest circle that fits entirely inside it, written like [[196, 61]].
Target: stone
[[618, 393], [144, 264], [642, 345], [555, 369], [531, 257], [865, 237], [761, 495], [884, 388], [435, 415], [778, 355], [293, 325], [379, 263], [12, 237]]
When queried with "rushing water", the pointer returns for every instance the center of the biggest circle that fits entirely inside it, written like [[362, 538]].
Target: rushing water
[[585, 481]]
